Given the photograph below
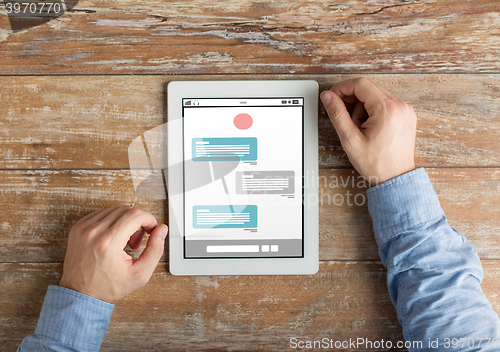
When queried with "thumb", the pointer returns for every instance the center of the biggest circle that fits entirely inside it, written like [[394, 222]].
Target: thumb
[[151, 255], [339, 115]]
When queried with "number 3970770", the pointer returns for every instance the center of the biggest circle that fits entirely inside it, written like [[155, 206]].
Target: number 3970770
[[33, 7]]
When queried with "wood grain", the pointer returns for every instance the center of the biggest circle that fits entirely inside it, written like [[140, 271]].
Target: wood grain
[[258, 36], [89, 122], [64, 140], [251, 313], [40, 206]]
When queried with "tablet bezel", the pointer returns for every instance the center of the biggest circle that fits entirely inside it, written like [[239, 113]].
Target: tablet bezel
[[309, 263]]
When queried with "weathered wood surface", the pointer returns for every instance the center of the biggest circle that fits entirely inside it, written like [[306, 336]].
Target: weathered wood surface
[[344, 300], [64, 140], [88, 122], [258, 36], [39, 207]]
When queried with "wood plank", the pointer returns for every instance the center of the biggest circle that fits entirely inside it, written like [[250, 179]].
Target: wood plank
[[242, 313], [258, 36], [40, 206], [89, 122], [468, 197], [344, 300]]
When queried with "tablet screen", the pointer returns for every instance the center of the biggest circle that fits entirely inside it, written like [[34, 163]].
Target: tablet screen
[[255, 209]]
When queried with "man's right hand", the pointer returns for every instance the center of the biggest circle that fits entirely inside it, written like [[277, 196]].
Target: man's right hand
[[376, 129], [96, 263]]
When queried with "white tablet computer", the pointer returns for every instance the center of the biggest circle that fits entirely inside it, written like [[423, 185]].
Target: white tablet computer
[[242, 177]]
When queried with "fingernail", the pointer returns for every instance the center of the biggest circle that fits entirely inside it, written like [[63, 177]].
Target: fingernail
[[326, 99], [163, 231]]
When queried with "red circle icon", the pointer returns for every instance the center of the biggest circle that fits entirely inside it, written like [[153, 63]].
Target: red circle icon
[[243, 121]]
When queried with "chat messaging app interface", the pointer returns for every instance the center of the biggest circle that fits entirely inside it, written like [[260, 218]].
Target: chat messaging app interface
[[243, 177]]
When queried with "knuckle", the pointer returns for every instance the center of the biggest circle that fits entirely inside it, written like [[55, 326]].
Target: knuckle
[[391, 108], [134, 212], [404, 104], [79, 223], [335, 114], [361, 80], [103, 244], [91, 231], [75, 229], [410, 108]]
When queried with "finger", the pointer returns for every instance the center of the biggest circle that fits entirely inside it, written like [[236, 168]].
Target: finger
[[386, 92], [89, 216], [359, 114], [90, 219], [349, 101], [105, 222], [339, 116], [364, 90], [149, 258], [136, 239], [130, 222], [101, 214]]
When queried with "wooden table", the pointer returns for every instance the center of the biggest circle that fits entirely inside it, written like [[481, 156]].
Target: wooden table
[[76, 91]]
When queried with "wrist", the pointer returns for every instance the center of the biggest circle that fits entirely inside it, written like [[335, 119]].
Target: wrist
[[65, 284], [71, 286], [64, 309], [402, 203], [385, 176]]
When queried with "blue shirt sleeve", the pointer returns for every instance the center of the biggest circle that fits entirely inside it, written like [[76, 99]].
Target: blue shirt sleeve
[[69, 321], [433, 271]]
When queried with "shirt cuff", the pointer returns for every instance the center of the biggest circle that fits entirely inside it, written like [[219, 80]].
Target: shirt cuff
[[74, 319], [402, 203]]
